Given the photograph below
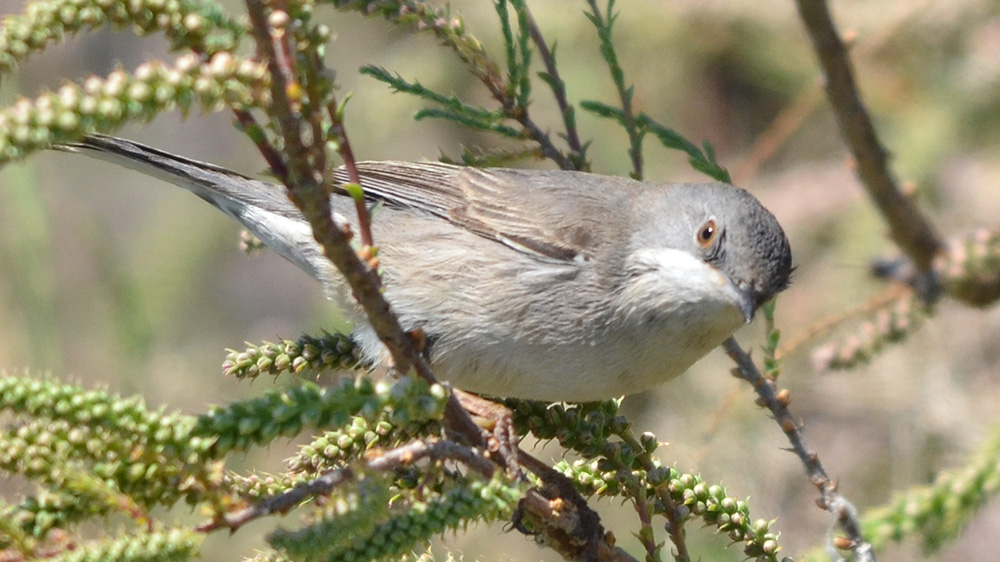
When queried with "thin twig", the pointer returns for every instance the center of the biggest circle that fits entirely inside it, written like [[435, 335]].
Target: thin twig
[[545, 145], [777, 403], [674, 527], [644, 509], [823, 326], [629, 120], [351, 165], [282, 79], [473, 55], [339, 132], [574, 530], [786, 124], [514, 109], [312, 84], [337, 128], [909, 228], [486, 70], [388, 460], [558, 88], [249, 124]]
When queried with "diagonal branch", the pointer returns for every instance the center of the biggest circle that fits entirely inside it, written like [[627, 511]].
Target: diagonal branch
[[305, 190], [777, 402], [909, 228]]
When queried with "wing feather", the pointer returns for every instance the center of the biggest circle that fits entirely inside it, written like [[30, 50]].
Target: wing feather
[[525, 210]]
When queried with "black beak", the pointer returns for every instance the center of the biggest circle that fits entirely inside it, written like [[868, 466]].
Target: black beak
[[748, 305], [746, 299]]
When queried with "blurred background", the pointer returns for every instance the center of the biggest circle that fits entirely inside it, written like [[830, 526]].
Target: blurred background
[[112, 279]]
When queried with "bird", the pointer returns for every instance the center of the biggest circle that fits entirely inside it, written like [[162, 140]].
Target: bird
[[538, 284]]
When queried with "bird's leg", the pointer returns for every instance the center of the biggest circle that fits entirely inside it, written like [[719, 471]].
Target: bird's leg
[[498, 421], [494, 418]]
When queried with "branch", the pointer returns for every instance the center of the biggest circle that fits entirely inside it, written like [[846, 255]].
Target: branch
[[246, 122], [558, 86], [402, 456], [777, 402], [305, 190], [562, 520], [336, 114], [628, 117], [675, 525], [909, 228]]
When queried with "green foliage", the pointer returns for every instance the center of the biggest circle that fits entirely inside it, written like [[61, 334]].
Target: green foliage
[[327, 352], [174, 545], [259, 421], [103, 105], [334, 448], [98, 445], [95, 454], [969, 267], [617, 463], [378, 534], [966, 269], [625, 116], [938, 512], [337, 525], [701, 160], [202, 26], [453, 108]]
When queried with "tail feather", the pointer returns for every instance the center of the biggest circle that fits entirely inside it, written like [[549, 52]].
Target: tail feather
[[262, 207]]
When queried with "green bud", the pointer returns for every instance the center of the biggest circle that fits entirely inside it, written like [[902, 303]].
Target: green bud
[[355, 191], [110, 109], [193, 23], [282, 362]]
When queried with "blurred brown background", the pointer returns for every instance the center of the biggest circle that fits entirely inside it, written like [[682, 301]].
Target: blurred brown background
[[112, 279]]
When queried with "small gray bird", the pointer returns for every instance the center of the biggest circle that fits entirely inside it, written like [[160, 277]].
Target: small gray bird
[[548, 285]]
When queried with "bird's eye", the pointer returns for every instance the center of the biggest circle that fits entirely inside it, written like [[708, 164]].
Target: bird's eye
[[707, 233]]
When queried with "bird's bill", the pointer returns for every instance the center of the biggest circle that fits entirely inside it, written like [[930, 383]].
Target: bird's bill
[[743, 298]]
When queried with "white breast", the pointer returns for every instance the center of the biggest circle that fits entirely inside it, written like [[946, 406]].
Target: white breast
[[673, 310]]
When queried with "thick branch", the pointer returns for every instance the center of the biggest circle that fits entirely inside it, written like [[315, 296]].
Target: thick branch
[[908, 227], [562, 520]]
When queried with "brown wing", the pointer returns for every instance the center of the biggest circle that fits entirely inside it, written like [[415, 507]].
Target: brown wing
[[549, 214]]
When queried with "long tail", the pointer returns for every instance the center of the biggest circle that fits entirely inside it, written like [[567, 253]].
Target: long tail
[[262, 207]]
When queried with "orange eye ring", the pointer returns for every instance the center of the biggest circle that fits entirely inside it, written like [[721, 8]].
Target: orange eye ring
[[707, 233]]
